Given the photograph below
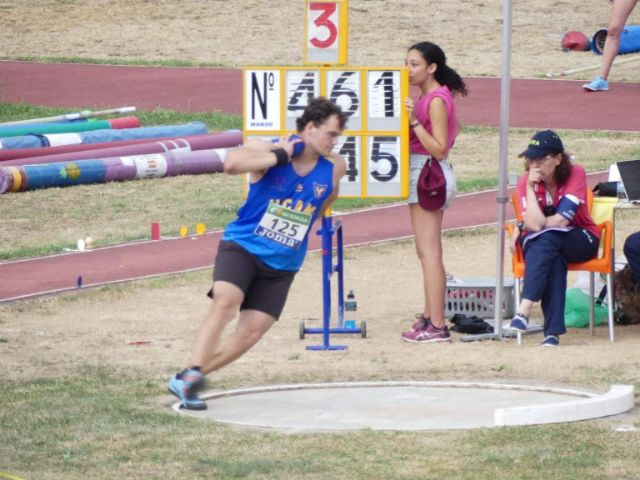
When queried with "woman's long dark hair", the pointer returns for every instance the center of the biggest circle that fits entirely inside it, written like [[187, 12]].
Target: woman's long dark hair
[[563, 170], [445, 75]]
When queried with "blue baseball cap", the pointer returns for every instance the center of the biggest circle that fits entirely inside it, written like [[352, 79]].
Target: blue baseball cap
[[542, 144]]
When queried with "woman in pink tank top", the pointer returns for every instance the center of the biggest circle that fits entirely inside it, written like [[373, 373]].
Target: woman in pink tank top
[[433, 131]]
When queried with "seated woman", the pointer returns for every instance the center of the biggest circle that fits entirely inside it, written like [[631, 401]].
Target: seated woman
[[557, 229], [632, 252]]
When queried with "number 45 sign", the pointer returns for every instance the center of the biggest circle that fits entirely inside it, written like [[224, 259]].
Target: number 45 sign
[[326, 32]]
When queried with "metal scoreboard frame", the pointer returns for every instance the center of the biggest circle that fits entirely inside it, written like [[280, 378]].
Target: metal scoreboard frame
[[326, 32], [375, 142]]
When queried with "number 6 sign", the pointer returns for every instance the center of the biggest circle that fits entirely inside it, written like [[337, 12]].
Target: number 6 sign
[[326, 32]]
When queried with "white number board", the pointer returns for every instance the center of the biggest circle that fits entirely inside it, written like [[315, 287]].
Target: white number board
[[262, 100], [375, 141], [301, 86], [344, 89], [384, 99], [381, 167]]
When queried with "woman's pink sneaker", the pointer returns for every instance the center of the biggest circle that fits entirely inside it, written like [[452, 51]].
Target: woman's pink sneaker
[[430, 334], [422, 322]]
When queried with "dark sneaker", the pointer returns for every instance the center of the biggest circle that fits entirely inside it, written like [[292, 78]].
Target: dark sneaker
[[550, 341], [519, 322], [422, 322], [185, 386], [429, 334]]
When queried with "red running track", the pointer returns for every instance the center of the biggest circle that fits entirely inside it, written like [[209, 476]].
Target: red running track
[[58, 273], [534, 103]]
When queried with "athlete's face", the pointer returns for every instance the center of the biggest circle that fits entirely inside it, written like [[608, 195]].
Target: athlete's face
[[419, 69], [323, 137]]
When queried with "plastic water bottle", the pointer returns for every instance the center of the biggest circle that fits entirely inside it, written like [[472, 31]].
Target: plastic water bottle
[[620, 189], [350, 308]]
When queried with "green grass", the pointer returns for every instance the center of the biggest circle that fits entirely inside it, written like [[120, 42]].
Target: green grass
[[100, 424], [476, 184], [214, 120], [47, 221]]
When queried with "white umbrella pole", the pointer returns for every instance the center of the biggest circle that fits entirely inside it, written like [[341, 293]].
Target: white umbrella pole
[[505, 97]]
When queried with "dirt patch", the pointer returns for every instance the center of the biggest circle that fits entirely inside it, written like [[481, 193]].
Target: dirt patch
[[251, 32], [150, 326], [53, 336]]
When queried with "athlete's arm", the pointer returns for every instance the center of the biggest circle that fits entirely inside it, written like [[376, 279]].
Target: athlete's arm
[[256, 156]]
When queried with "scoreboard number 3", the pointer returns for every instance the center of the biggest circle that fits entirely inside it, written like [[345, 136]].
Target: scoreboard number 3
[[326, 27], [326, 32]]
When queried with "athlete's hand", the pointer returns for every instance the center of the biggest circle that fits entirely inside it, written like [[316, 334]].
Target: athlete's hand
[[289, 144]]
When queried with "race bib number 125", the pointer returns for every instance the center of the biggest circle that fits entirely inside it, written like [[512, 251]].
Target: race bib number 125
[[284, 226]]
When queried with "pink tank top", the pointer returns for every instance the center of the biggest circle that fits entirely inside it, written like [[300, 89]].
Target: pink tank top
[[422, 115]]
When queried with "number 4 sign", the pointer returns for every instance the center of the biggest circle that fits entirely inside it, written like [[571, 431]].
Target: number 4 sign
[[326, 32]]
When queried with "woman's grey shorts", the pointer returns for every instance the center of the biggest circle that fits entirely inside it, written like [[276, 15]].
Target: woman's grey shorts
[[416, 162]]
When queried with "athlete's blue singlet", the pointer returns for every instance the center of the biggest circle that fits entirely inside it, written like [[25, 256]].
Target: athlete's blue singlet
[[275, 221]]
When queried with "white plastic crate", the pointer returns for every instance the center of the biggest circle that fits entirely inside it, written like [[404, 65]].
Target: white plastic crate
[[475, 296]]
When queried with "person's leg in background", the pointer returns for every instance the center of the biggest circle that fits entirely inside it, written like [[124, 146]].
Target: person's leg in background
[[619, 15]]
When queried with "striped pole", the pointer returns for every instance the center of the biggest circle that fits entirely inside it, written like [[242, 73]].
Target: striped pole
[[74, 116]]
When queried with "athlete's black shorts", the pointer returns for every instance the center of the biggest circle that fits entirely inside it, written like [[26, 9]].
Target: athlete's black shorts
[[265, 288]]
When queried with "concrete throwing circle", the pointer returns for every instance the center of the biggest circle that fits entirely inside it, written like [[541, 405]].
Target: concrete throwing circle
[[405, 405]]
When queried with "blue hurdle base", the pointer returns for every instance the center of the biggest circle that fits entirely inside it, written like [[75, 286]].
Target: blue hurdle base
[[327, 231], [333, 330], [326, 347]]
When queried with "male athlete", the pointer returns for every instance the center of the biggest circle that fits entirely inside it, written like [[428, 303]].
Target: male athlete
[[292, 182]]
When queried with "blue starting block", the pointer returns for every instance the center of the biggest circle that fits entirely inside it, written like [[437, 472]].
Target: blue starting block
[[328, 230]]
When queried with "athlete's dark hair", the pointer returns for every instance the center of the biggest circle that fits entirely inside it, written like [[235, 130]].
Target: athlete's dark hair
[[318, 111], [445, 75]]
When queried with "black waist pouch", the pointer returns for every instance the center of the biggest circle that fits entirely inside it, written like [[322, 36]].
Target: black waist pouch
[[606, 189]]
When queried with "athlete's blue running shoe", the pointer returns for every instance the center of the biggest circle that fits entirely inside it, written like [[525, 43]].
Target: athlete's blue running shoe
[[598, 84], [185, 386]]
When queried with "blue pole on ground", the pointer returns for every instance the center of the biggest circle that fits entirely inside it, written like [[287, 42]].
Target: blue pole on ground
[[327, 271], [339, 268]]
